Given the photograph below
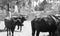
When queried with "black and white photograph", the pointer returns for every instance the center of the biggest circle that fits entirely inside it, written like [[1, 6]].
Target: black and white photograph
[[29, 17]]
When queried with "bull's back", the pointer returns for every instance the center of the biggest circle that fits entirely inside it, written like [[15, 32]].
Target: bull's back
[[43, 25]]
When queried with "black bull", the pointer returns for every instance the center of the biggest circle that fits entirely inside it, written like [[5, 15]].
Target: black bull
[[12, 22], [20, 22], [45, 24], [10, 25]]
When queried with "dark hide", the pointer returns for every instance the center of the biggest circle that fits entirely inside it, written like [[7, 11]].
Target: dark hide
[[45, 24], [20, 21], [10, 25]]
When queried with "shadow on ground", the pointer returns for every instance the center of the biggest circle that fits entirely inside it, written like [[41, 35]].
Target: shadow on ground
[[17, 31], [2, 30]]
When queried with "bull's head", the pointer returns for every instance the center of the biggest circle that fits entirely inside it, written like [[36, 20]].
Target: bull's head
[[24, 17]]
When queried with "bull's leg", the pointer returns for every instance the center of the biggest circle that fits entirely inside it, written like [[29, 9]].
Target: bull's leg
[[53, 33], [33, 32], [33, 29], [20, 28], [49, 33], [56, 33], [7, 31], [12, 33], [37, 33], [59, 33]]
